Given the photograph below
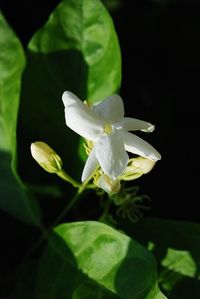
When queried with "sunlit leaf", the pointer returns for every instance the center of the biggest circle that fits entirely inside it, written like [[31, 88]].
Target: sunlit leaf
[[180, 261], [59, 278], [83, 28], [108, 257], [14, 198]]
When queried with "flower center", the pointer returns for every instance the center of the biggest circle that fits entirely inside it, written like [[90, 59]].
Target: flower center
[[107, 128]]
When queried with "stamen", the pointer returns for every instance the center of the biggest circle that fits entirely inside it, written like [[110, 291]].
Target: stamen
[[88, 145], [87, 103], [107, 128]]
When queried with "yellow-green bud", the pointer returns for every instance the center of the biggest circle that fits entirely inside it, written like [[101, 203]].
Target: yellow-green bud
[[137, 167], [46, 157], [108, 184]]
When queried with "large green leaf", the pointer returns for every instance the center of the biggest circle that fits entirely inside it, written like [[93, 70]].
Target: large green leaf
[[53, 277], [107, 257], [87, 260], [60, 278], [77, 50], [84, 28], [13, 195], [176, 245]]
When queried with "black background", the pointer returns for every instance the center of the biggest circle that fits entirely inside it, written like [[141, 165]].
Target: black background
[[160, 83]]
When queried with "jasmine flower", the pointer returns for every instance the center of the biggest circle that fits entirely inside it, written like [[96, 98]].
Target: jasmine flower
[[105, 125]]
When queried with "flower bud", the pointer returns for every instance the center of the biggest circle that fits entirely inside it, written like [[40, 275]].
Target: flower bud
[[46, 157], [108, 184], [137, 167]]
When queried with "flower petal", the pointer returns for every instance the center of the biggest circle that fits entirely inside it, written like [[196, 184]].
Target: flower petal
[[134, 124], [110, 109], [138, 146], [90, 166], [111, 154], [81, 118]]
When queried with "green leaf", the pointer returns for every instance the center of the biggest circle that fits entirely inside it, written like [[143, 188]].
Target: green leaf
[[107, 257], [58, 278], [85, 28], [87, 289], [77, 50], [14, 198], [24, 284], [176, 246], [180, 261]]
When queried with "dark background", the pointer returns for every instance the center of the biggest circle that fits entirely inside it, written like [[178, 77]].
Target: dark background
[[160, 83]]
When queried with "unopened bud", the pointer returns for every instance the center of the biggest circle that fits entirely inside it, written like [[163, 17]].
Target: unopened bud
[[108, 184], [137, 167], [46, 157]]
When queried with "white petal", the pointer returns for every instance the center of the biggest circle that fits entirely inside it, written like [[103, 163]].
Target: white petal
[[90, 166], [80, 118], [138, 146], [111, 154], [110, 109], [134, 124]]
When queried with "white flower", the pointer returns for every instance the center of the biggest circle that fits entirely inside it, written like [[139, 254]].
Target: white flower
[[105, 125]]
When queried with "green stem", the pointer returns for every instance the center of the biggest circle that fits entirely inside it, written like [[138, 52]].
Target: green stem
[[44, 231], [81, 188], [68, 207], [106, 208], [62, 174]]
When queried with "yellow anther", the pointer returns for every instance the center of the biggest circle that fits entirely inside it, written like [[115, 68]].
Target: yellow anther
[[88, 145], [107, 128], [87, 103]]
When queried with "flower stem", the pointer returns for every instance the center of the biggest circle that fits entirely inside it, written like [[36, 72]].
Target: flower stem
[[82, 187], [45, 231], [106, 209], [62, 174], [68, 207]]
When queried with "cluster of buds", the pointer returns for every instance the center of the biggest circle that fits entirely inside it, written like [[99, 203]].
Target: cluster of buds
[[136, 168], [50, 161]]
